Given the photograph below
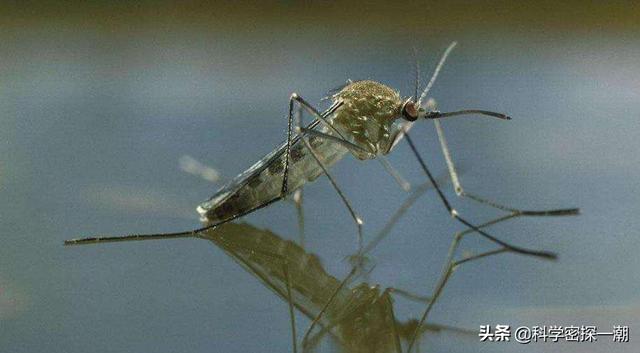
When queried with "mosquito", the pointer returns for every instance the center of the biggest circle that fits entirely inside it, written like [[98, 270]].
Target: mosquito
[[367, 119]]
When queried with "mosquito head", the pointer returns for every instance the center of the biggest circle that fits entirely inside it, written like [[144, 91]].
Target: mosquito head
[[410, 111]]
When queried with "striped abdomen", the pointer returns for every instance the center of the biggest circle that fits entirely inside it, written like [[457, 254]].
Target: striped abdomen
[[263, 181]]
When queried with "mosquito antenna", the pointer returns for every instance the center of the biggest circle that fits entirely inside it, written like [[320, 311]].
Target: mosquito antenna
[[416, 82], [434, 76]]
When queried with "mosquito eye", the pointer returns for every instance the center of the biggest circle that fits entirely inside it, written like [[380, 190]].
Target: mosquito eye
[[409, 111]]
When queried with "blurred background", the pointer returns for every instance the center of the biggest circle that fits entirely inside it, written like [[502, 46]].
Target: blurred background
[[99, 100]]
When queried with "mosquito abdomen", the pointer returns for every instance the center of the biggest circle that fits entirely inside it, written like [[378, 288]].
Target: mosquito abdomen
[[266, 184]]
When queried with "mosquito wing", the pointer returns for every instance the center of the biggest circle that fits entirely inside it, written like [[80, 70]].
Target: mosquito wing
[[244, 178]]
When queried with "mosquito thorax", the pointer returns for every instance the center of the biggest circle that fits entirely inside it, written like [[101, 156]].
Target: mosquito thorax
[[368, 113]]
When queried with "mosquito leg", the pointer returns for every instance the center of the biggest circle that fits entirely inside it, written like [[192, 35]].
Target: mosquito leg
[[298, 117], [408, 329], [292, 100], [408, 295], [314, 340], [404, 184], [316, 320], [357, 220], [292, 316], [450, 268], [422, 189], [316, 114], [285, 175], [346, 144], [419, 191], [298, 202], [462, 193], [287, 295], [451, 265], [295, 98], [339, 138], [456, 215], [274, 261], [444, 200], [413, 197], [298, 194]]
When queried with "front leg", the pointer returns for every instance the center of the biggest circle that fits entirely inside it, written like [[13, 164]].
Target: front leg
[[320, 117], [460, 192], [338, 139]]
